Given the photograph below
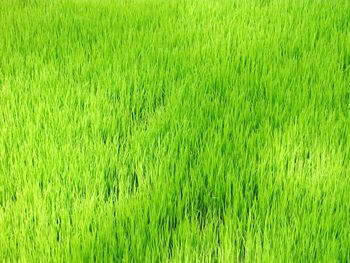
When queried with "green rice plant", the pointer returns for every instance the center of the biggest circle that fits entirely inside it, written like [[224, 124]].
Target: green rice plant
[[175, 131]]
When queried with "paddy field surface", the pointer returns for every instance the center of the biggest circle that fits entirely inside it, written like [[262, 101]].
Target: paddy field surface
[[175, 131]]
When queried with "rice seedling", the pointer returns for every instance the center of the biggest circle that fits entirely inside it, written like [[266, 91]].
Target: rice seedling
[[175, 131]]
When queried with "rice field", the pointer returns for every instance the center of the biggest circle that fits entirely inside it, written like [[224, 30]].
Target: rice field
[[174, 131]]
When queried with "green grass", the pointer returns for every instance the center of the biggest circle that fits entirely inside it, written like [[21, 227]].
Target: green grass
[[181, 131]]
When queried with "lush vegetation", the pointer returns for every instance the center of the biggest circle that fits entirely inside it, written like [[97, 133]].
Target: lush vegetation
[[181, 131]]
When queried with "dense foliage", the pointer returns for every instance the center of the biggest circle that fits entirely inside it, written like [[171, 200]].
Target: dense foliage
[[182, 131]]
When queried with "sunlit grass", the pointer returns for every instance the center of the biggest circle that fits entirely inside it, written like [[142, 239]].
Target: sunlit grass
[[182, 131]]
